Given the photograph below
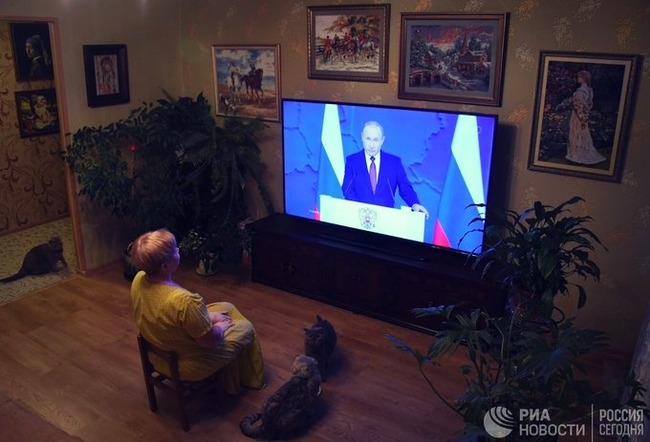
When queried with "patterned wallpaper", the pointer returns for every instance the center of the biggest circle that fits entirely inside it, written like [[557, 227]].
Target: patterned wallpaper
[[161, 44], [621, 210], [32, 183]]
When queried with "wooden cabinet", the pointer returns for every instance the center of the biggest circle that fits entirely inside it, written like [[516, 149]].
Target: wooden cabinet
[[379, 277]]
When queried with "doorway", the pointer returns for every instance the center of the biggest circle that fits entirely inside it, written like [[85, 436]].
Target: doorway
[[37, 194]]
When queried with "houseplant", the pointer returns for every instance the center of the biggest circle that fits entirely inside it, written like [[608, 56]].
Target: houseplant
[[525, 359], [533, 254], [516, 365], [171, 164]]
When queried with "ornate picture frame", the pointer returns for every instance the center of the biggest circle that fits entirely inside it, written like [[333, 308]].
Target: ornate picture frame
[[107, 75], [348, 42], [32, 51], [38, 113], [582, 111], [455, 58], [247, 80]]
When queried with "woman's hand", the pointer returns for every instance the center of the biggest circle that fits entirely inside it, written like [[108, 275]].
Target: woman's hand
[[223, 324], [216, 317], [220, 323]]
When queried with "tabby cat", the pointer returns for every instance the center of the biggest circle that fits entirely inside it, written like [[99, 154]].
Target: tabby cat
[[320, 340], [288, 409], [41, 259]]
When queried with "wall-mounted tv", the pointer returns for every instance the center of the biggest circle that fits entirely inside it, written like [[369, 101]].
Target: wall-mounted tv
[[408, 173]]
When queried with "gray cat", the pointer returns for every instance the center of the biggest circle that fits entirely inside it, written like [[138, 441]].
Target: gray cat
[[320, 340], [288, 409], [41, 259]]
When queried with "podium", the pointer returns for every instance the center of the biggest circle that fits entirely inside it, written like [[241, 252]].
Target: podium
[[401, 223]]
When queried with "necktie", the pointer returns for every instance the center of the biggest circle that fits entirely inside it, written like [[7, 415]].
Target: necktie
[[373, 174]]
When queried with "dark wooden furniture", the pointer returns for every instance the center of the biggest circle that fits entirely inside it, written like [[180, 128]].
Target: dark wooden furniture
[[374, 275], [182, 391]]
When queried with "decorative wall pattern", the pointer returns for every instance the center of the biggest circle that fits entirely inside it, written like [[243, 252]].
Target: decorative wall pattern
[[172, 52], [32, 185], [620, 210]]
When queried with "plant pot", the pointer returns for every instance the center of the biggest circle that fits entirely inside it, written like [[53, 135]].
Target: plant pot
[[208, 266]]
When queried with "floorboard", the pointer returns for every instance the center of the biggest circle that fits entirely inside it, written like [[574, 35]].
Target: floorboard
[[68, 355]]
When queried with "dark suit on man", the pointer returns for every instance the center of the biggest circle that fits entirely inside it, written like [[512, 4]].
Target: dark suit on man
[[392, 176]]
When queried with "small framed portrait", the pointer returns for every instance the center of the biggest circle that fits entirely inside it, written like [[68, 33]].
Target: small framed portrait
[[348, 42], [247, 81], [37, 112], [456, 58], [582, 113], [32, 51], [107, 75]]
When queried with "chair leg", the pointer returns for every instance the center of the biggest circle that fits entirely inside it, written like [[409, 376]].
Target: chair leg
[[151, 394], [182, 412]]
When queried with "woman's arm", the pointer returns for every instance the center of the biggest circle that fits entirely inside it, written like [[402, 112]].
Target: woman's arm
[[215, 334]]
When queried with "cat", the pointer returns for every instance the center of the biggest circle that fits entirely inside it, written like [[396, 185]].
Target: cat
[[41, 259], [288, 409], [320, 340]]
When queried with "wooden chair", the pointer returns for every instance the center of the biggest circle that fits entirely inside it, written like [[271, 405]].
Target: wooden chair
[[182, 391]]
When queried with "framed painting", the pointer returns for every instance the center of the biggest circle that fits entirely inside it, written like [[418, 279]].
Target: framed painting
[[582, 113], [37, 112], [32, 51], [348, 42], [107, 75], [456, 58], [247, 81]]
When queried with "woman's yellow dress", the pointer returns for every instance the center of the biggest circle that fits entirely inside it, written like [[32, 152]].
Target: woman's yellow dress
[[173, 317]]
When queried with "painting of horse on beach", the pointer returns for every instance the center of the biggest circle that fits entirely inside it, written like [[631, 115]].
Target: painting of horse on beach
[[247, 81]]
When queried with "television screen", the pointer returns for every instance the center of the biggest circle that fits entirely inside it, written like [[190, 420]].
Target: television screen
[[403, 172]]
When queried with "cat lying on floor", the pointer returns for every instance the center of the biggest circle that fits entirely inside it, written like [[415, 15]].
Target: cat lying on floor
[[41, 259], [289, 408]]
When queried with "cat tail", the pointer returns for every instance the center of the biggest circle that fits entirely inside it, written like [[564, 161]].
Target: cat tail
[[248, 427], [12, 278]]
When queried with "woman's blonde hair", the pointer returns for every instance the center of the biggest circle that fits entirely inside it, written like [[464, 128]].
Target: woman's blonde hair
[[586, 76], [152, 249]]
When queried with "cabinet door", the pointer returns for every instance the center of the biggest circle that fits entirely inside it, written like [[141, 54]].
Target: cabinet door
[[430, 289], [359, 281], [290, 265]]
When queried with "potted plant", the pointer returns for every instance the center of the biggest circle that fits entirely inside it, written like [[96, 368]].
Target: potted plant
[[533, 254], [524, 359], [516, 366], [170, 164]]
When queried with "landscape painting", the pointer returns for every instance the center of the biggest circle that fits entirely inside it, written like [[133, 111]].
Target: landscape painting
[[349, 42], [247, 81], [452, 57]]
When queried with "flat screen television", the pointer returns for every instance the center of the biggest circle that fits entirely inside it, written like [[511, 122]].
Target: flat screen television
[[439, 160]]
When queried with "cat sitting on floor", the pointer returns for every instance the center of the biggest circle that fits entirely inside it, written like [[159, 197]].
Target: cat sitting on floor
[[41, 259], [320, 340], [288, 409]]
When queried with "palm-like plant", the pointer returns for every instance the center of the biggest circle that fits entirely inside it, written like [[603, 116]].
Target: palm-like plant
[[518, 365], [537, 251]]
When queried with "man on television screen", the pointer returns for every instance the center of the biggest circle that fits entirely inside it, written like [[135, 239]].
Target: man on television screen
[[372, 176]]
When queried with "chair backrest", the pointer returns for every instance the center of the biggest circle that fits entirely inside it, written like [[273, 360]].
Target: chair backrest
[[170, 357]]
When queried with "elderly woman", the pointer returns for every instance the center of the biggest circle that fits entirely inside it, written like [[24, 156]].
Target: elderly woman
[[206, 338]]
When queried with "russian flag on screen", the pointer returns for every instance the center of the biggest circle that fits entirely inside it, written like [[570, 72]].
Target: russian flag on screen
[[331, 165], [463, 186]]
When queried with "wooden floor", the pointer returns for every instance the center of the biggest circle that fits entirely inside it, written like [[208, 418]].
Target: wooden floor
[[68, 354], [68, 357]]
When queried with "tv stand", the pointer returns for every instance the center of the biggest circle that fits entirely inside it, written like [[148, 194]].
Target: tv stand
[[369, 274]]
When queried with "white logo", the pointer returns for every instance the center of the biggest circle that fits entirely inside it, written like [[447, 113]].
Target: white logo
[[499, 422]]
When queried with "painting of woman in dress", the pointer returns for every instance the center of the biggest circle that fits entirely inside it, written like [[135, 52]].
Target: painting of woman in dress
[[581, 107], [580, 145]]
